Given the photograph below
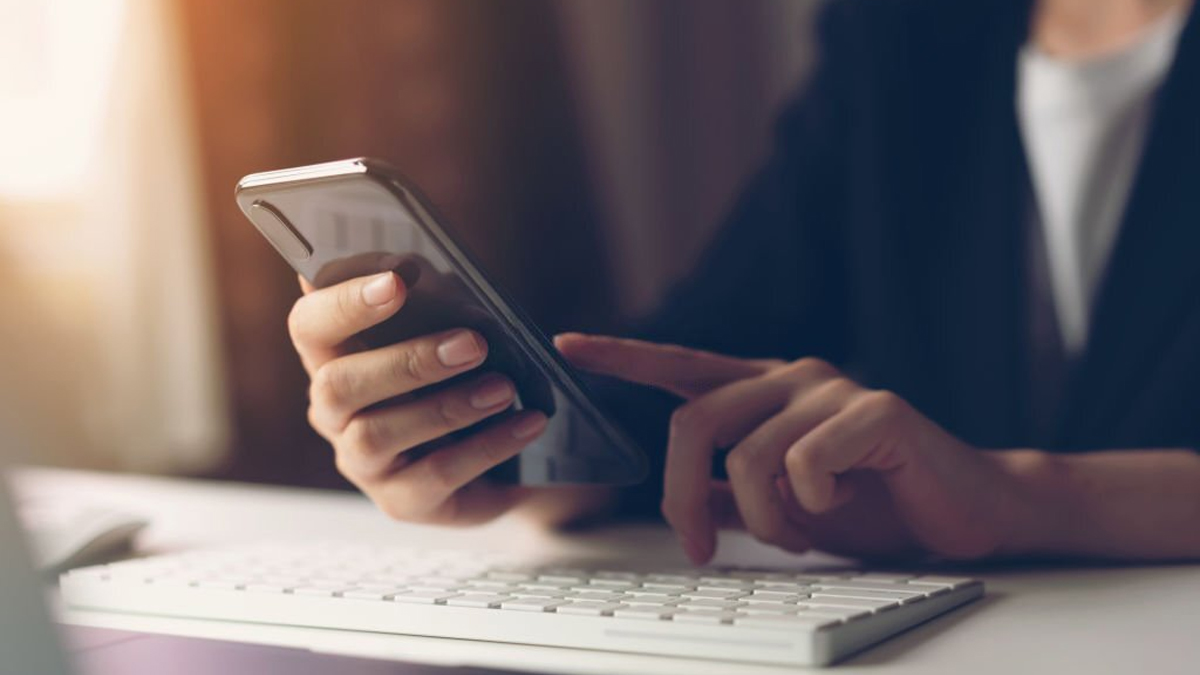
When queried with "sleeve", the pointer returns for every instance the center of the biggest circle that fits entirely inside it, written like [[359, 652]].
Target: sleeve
[[772, 283]]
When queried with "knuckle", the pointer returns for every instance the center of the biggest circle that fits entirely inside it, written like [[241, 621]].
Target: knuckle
[[492, 451], [347, 302], [884, 403], [837, 387], [437, 475], [329, 387], [687, 417], [366, 436], [812, 367], [343, 464], [314, 420], [738, 463], [411, 365], [797, 462], [295, 320], [444, 413]]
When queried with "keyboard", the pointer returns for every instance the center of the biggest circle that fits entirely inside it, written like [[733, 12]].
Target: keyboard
[[811, 618]]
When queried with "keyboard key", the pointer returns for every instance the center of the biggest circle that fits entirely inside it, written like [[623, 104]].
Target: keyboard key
[[545, 585], [875, 605], [713, 595], [875, 586], [649, 602], [533, 604], [267, 588], [652, 592], [589, 608], [214, 584], [722, 583], [481, 600], [322, 591], [796, 589], [773, 596], [489, 585], [510, 576], [423, 597], [711, 604], [768, 610], [651, 613], [368, 594], [549, 595], [668, 586], [706, 616], [599, 596], [564, 578], [669, 579], [900, 596], [621, 576], [613, 584]]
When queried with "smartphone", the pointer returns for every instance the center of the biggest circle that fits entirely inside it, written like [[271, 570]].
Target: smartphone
[[339, 220]]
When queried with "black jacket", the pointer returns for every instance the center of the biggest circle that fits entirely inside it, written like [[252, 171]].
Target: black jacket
[[887, 234]]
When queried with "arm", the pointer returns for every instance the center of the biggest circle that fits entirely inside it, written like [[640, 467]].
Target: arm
[[819, 461], [1126, 504]]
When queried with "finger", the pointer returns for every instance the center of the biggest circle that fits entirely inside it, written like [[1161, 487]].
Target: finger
[[420, 490], [685, 372], [723, 507], [343, 386], [372, 440], [855, 438], [695, 428], [756, 463], [305, 285], [321, 321]]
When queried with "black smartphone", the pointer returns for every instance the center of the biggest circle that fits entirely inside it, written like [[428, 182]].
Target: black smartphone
[[335, 221]]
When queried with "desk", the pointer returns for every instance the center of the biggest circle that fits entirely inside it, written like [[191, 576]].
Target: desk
[[1033, 620]]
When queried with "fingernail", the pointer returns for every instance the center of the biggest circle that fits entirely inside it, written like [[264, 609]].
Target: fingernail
[[459, 349], [529, 427], [491, 392], [380, 290]]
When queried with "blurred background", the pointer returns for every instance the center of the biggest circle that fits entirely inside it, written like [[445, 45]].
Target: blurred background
[[585, 150]]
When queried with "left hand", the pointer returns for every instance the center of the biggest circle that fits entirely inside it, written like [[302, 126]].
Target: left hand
[[816, 461]]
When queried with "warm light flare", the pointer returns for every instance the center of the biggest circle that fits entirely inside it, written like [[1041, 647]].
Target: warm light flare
[[57, 60]]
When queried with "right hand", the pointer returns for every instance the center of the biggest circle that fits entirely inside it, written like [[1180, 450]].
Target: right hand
[[373, 406]]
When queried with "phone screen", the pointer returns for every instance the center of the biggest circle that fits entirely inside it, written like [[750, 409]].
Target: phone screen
[[342, 220]]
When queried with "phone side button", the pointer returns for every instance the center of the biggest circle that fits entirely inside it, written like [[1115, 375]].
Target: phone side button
[[279, 231]]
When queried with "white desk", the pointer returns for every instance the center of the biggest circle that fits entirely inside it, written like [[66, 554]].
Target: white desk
[[1091, 620]]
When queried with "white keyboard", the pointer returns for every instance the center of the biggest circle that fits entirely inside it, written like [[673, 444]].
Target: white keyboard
[[812, 618]]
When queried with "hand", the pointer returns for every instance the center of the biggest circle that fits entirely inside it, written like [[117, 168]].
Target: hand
[[389, 431], [816, 459]]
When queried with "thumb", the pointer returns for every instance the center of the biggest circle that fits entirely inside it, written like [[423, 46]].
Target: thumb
[[679, 370]]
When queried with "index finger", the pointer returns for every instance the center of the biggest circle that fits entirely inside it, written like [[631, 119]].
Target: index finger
[[323, 319], [682, 371]]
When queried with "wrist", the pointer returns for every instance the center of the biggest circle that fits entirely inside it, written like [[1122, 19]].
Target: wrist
[[1031, 523]]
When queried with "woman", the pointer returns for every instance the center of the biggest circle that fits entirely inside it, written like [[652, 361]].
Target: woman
[[984, 211]]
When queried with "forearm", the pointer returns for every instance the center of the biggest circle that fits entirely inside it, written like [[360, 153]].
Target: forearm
[[1133, 504]]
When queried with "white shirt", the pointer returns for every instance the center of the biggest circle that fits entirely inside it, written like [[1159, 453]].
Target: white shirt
[[1084, 124]]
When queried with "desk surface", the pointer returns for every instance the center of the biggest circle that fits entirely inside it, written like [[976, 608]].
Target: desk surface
[[1033, 620]]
